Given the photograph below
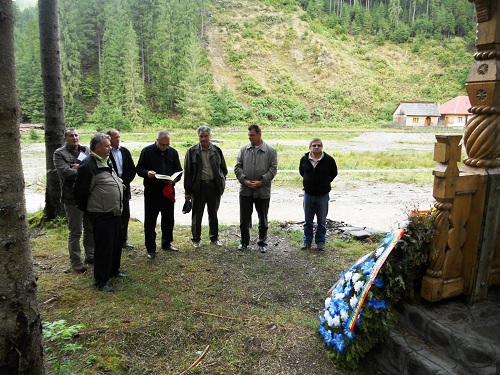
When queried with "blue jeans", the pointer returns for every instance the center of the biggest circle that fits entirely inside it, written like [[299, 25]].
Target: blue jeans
[[315, 205]]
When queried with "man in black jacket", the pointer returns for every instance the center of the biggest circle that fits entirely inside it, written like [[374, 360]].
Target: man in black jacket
[[205, 173], [125, 169], [318, 170], [159, 192]]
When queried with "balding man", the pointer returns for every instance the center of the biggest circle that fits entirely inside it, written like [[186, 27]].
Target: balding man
[[155, 163]]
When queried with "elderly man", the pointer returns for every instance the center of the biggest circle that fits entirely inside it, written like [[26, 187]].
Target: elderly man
[[318, 170], [66, 160], [256, 166], [157, 163], [99, 192], [125, 169], [204, 182]]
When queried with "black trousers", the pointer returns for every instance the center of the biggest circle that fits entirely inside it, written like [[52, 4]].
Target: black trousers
[[125, 219], [154, 204], [246, 211], [108, 247], [209, 196]]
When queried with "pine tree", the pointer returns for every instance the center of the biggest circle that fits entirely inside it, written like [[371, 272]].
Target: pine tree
[[177, 22], [29, 75], [195, 100], [122, 90], [71, 69]]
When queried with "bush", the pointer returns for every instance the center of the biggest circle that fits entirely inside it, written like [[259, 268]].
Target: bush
[[106, 116]]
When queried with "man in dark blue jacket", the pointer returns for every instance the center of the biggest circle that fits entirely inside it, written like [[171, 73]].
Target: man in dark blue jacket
[[156, 164], [125, 169], [318, 170]]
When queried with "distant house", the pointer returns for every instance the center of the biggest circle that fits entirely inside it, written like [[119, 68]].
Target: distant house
[[416, 114], [455, 112]]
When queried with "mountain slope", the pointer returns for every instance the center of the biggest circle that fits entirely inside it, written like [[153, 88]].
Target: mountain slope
[[262, 53]]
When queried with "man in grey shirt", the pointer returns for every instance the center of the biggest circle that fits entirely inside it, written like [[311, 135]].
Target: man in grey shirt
[[66, 160], [256, 166]]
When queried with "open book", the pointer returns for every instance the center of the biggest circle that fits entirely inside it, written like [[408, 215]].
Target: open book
[[169, 178]]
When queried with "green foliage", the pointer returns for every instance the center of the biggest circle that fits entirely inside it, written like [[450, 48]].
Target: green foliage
[[227, 110], [34, 136], [59, 336], [131, 54], [107, 114], [29, 75], [279, 109], [195, 97]]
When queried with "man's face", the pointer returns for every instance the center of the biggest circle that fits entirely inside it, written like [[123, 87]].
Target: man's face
[[115, 139], [72, 139], [316, 148], [204, 138], [163, 142], [103, 149], [254, 137]]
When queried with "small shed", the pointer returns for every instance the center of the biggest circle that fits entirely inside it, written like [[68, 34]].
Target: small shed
[[455, 113], [416, 114]]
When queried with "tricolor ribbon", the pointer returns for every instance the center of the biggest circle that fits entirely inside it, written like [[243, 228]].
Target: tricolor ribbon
[[389, 243]]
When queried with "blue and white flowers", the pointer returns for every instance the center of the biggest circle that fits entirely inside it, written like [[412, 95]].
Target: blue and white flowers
[[346, 299]]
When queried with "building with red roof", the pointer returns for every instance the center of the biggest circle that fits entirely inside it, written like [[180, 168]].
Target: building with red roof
[[455, 112]]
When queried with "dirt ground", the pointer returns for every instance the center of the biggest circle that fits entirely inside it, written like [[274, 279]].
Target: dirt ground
[[380, 206]]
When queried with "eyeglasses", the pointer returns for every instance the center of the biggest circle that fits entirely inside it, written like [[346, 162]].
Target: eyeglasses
[[316, 145]]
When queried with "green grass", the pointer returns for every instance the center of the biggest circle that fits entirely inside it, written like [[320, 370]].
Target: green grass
[[256, 312]]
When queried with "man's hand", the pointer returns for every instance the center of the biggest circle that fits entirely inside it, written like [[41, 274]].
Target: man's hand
[[187, 197], [151, 174], [253, 184]]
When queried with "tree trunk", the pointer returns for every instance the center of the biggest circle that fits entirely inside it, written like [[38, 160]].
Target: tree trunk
[[53, 102], [21, 345]]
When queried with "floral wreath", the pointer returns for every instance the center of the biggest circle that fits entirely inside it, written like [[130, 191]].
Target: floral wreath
[[350, 295]]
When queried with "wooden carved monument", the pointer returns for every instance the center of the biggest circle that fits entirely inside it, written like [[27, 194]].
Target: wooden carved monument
[[465, 258]]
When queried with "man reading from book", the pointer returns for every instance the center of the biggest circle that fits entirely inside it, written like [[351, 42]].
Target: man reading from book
[[156, 160]]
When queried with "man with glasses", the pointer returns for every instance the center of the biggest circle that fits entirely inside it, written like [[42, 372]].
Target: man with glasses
[[318, 169], [156, 162], [66, 160]]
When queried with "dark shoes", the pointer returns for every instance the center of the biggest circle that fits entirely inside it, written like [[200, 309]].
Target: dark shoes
[[151, 255], [89, 260], [196, 244], [263, 249], [128, 246], [305, 246], [80, 268], [242, 247], [170, 248], [106, 288], [320, 247]]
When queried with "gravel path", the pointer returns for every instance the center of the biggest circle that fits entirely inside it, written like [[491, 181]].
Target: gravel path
[[379, 206]]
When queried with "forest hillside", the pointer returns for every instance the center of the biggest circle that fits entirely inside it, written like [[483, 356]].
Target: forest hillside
[[333, 63]]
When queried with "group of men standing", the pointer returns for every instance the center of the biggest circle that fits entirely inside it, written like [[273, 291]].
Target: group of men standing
[[96, 193]]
